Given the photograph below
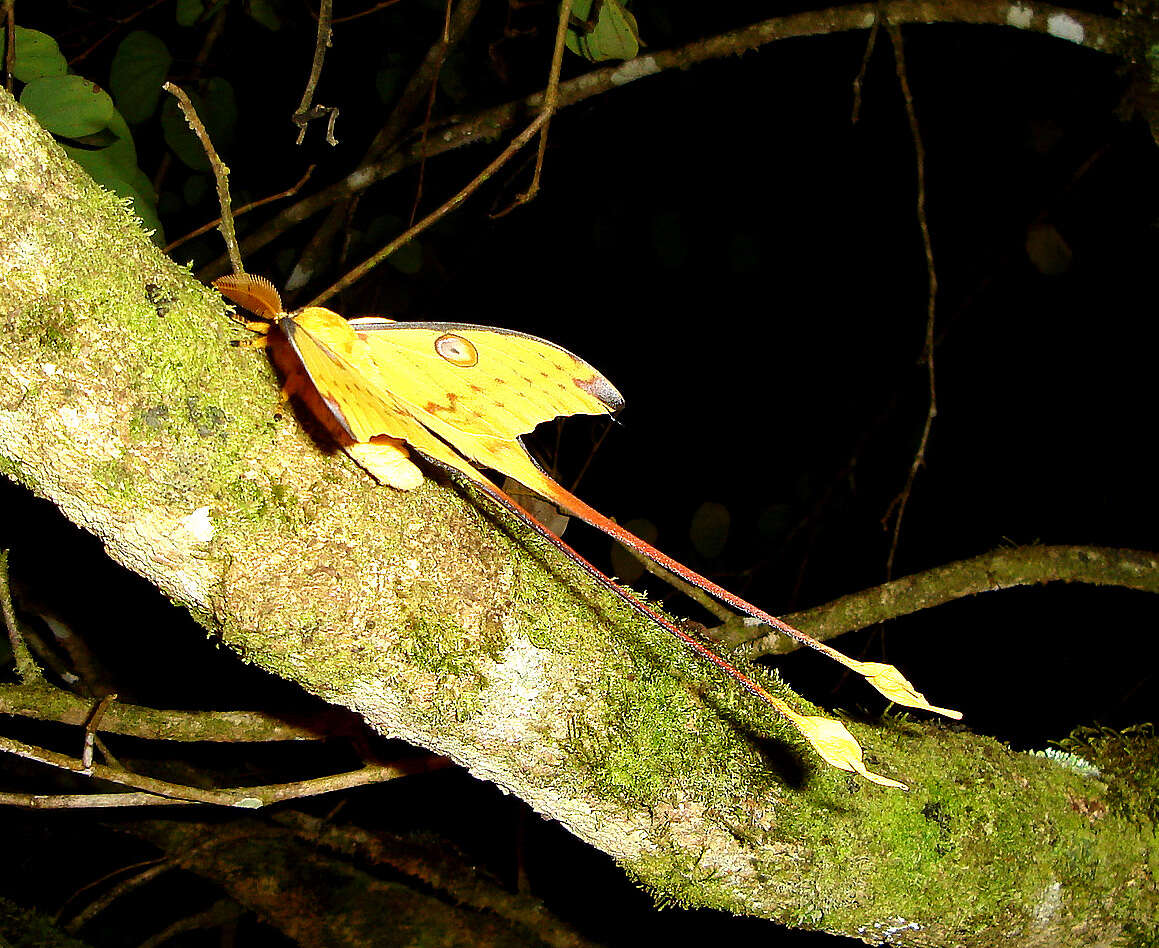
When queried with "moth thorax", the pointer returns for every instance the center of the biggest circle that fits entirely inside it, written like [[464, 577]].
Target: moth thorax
[[457, 350]]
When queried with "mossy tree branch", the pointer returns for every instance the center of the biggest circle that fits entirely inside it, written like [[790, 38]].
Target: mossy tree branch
[[442, 624], [990, 572]]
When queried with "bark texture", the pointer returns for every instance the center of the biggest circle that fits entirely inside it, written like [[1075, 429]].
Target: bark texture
[[122, 402]]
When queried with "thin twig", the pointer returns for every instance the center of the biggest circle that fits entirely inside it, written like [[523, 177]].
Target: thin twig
[[87, 801], [591, 455], [121, 24], [695, 593], [367, 12], [303, 114], [91, 725], [151, 870], [26, 668], [113, 775], [859, 81], [122, 888], [431, 869], [222, 912], [220, 173], [244, 209], [431, 96], [902, 500], [101, 880], [413, 95], [550, 101], [244, 797], [209, 40], [353, 276]]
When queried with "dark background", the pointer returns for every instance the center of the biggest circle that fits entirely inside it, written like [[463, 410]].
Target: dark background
[[745, 264]]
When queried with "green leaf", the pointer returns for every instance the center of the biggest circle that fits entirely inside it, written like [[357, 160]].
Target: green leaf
[[600, 31], [262, 11], [189, 12], [68, 106], [139, 67], [37, 55], [115, 168]]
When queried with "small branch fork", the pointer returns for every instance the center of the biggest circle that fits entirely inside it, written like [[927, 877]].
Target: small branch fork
[[550, 103], [306, 111], [36, 698]]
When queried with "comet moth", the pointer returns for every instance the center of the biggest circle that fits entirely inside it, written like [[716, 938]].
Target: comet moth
[[462, 395]]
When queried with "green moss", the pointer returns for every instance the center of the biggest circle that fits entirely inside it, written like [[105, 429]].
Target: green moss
[[440, 650], [1129, 760], [674, 879], [48, 324], [653, 737], [253, 503], [116, 477], [12, 468]]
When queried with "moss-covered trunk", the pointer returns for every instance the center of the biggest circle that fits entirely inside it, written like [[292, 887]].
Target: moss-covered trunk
[[441, 623]]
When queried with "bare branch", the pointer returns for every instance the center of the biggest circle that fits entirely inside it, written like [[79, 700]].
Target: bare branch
[[249, 798], [42, 702], [220, 173]]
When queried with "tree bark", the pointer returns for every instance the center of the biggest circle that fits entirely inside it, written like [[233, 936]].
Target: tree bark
[[443, 623]]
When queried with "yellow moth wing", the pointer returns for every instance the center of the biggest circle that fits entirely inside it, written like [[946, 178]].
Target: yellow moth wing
[[481, 381], [338, 364]]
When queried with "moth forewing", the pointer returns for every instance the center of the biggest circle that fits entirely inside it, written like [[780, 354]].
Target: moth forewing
[[484, 381]]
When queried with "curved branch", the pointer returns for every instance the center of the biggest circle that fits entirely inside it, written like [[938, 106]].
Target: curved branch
[[248, 798], [1002, 569]]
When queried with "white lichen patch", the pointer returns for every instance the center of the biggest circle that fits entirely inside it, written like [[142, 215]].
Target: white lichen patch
[[1066, 27], [1020, 17], [892, 932], [1049, 903], [519, 671], [634, 69], [198, 525], [1071, 761]]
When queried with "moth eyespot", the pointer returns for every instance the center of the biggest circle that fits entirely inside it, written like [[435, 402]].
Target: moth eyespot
[[457, 350]]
